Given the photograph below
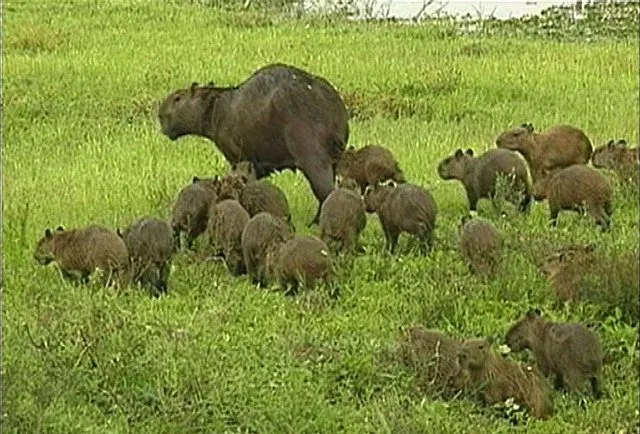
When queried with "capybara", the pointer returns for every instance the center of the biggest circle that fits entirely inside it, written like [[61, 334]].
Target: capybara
[[342, 219], [348, 184], [559, 146], [403, 208], [569, 351], [301, 260], [616, 156], [245, 168], [480, 174], [565, 267], [258, 235], [79, 252], [281, 117], [190, 212], [433, 357], [497, 379], [369, 165], [227, 220], [480, 245], [575, 188], [151, 246]]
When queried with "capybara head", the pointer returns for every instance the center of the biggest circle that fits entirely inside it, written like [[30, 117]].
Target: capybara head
[[609, 156], [374, 196], [516, 138], [463, 220], [212, 184], [473, 353], [245, 168], [43, 253], [232, 185], [348, 184], [564, 256], [453, 167], [520, 334], [181, 111]]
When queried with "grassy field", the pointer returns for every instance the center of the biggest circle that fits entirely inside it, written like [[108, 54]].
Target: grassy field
[[81, 84]]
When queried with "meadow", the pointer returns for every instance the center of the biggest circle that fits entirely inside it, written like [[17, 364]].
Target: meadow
[[80, 144]]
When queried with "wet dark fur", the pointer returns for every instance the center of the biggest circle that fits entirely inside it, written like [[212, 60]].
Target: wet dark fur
[[258, 235]]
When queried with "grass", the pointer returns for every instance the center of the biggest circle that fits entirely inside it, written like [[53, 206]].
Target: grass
[[81, 83]]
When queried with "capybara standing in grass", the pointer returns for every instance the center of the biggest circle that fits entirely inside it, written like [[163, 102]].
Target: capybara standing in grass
[[575, 188], [569, 351], [227, 220], [79, 252], [151, 246], [479, 175], [616, 156], [258, 235], [480, 245], [498, 379], [559, 146], [369, 165], [342, 219], [281, 117]]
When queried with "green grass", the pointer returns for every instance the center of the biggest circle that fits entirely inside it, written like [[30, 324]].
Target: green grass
[[81, 83]]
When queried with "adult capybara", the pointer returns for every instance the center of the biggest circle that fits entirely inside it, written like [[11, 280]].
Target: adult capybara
[[279, 118], [369, 165], [403, 208], [190, 212], [342, 219], [258, 235], [569, 351], [79, 252], [559, 146], [151, 246], [480, 245], [227, 220], [565, 267], [575, 188], [301, 260], [479, 175], [498, 379]]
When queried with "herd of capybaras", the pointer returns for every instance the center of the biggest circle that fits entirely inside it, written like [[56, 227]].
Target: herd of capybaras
[[282, 118]]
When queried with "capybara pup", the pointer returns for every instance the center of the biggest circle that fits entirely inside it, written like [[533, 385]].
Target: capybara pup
[[227, 220], [575, 188], [569, 351], [151, 246], [480, 245], [79, 252], [498, 379], [559, 146], [480, 174], [190, 212], [403, 208], [342, 219], [565, 267], [258, 235], [615, 155], [369, 165]]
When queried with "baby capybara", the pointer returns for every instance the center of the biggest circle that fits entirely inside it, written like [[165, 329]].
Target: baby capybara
[[615, 155], [569, 351], [565, 267], [498, 379], [342, 219], [227, 220], [480, 245], [575, 188], [258, 235], [369, 165], [559, 146], [151, 246], [190, 212], [79, 252], [480, 174], [403, 208], [301, 260]]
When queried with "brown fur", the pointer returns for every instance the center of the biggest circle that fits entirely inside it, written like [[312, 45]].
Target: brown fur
[[342, 219], [480, 245], [245, 168], [559, 146], [498, 379], [227, 220], [403, 208], [348, 184], [258, 235], [570, 351], [573, 188], [480, 174], [565, 267], [615, 155], [369, 165], [190, 212], [79, 252]]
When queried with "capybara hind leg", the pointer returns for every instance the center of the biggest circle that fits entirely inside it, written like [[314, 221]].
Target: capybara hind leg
[[573, 382], [596, 387], [320, 177], [391, 238], [553, 216]]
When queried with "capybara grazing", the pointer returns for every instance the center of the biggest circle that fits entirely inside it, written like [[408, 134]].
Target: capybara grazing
[[301, 260], [151, 246], [190, 212], [227, 220], [480, 174], [369, 165], [569, 351], [403, 208], [565, 267], [575, 188], [433, 357], [498, 379], [559, 146], [79, 252], [480, 245], [342, 219], [258, 235], [281, 117]]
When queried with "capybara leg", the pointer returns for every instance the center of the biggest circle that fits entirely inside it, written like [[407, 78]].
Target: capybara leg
[[525, 204], [391, 239], [553, 216], [558, 382], [596, 387], [573, 382], [176, 238], [320, 176], [608, 208]]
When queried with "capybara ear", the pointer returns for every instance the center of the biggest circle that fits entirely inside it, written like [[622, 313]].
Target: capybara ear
[[610, 143], [535, 312], [47, 233], [622, 142], [194, 86], [530, 127], [458, 153], [368, 189], [119, 232], [195, 179], [590, 247], [234, 166], [210, 83], [469, 152], [60, 228]]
